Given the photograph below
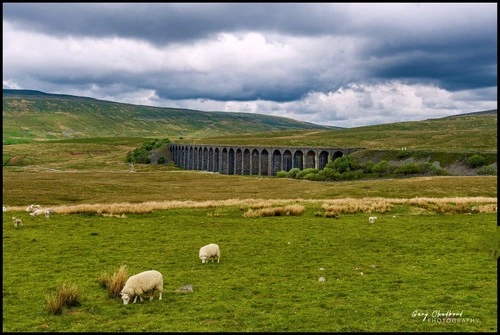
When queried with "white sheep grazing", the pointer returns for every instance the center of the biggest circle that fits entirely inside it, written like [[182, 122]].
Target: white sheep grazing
[[37, 212], [209, 251], [32, 208], [372, 219], [48, 212], [17, 222], [141, 283], [4, 209]]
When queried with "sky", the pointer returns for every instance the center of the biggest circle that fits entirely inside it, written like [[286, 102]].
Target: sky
[[335, 64]]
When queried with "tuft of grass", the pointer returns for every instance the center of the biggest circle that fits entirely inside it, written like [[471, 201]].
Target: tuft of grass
[[116, 282], [104, 279], [66, 295], [289, 210]]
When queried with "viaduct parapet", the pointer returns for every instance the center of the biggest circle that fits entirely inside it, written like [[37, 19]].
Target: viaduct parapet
[[251, 160]]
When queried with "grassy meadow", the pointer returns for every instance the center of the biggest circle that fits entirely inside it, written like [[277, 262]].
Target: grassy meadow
[[377, 276], [429, 252]]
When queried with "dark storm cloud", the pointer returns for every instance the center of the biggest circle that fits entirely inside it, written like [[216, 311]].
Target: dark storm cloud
[[163, 23], [324, 61]]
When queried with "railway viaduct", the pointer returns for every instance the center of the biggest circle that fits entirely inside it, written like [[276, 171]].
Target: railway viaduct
[[251, 160]]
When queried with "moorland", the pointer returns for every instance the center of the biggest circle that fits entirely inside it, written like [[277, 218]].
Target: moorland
[[429, 263]]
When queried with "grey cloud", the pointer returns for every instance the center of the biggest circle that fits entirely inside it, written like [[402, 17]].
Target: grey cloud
[[163, 23]]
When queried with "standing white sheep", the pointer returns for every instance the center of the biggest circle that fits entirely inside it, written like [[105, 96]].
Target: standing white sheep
[[141, 283], [17, 222], [209, 251], [372, 219]]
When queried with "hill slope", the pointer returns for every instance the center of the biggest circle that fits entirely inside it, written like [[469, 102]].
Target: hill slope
[[464, 132], [38, 115]]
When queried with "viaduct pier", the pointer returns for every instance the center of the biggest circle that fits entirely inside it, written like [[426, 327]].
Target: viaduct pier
[[252, 160]]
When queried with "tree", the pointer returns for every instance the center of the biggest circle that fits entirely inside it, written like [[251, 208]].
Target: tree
[[381, 167]]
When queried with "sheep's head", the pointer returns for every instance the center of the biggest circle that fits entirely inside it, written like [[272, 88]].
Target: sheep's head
[[203, 259], [125, 297]]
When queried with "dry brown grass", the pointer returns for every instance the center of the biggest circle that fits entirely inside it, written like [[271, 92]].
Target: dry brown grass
[[334, 206], [294, 210], [114, 283], [66, 295]]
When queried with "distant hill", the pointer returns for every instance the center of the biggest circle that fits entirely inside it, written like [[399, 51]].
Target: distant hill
[[29, 114], [462, 132]]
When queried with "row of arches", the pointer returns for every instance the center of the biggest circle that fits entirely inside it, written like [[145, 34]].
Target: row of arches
[[251, 160]]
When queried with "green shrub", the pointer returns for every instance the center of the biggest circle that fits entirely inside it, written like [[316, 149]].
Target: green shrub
[[343, 164], [381, 167], [368, 167], [303, 173], [410, 168], [281, 174], [403, 154], [293, 173], [142, 154], [486, 171], [476, 161]]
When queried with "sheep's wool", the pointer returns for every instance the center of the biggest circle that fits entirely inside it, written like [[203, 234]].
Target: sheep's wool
[[141, 283]]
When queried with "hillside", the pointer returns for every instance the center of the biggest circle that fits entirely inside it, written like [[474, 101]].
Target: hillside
[[31, 114], [464, 132]]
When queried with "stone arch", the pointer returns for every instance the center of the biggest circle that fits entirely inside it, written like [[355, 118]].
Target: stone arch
[[264, 162], [255, 164], [204, 161], [216, 160], [337, 154], [298, 159], [276, 162], [287, 160], [238, 161], [310, 159], [224, 168], [246, 162], [230, 161], [191, 159], [322, 159], [210, 165]]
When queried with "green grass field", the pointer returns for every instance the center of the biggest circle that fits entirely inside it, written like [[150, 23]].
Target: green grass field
[[419, 260], [377, 276]]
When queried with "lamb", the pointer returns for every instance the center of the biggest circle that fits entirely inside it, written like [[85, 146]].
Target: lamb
[[141, 283], [209, 251], [372, 219], [48, 212], [32, 208], [17, 222], [37, 212]]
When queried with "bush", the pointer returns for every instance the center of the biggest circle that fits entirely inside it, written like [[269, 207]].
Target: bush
[[305, 172], [368, 167], [403, 154], [486, 171], [293, 173], [142, 154], [281, 174], [343, 164], [381, 167], [476, 161], [410, 168]]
